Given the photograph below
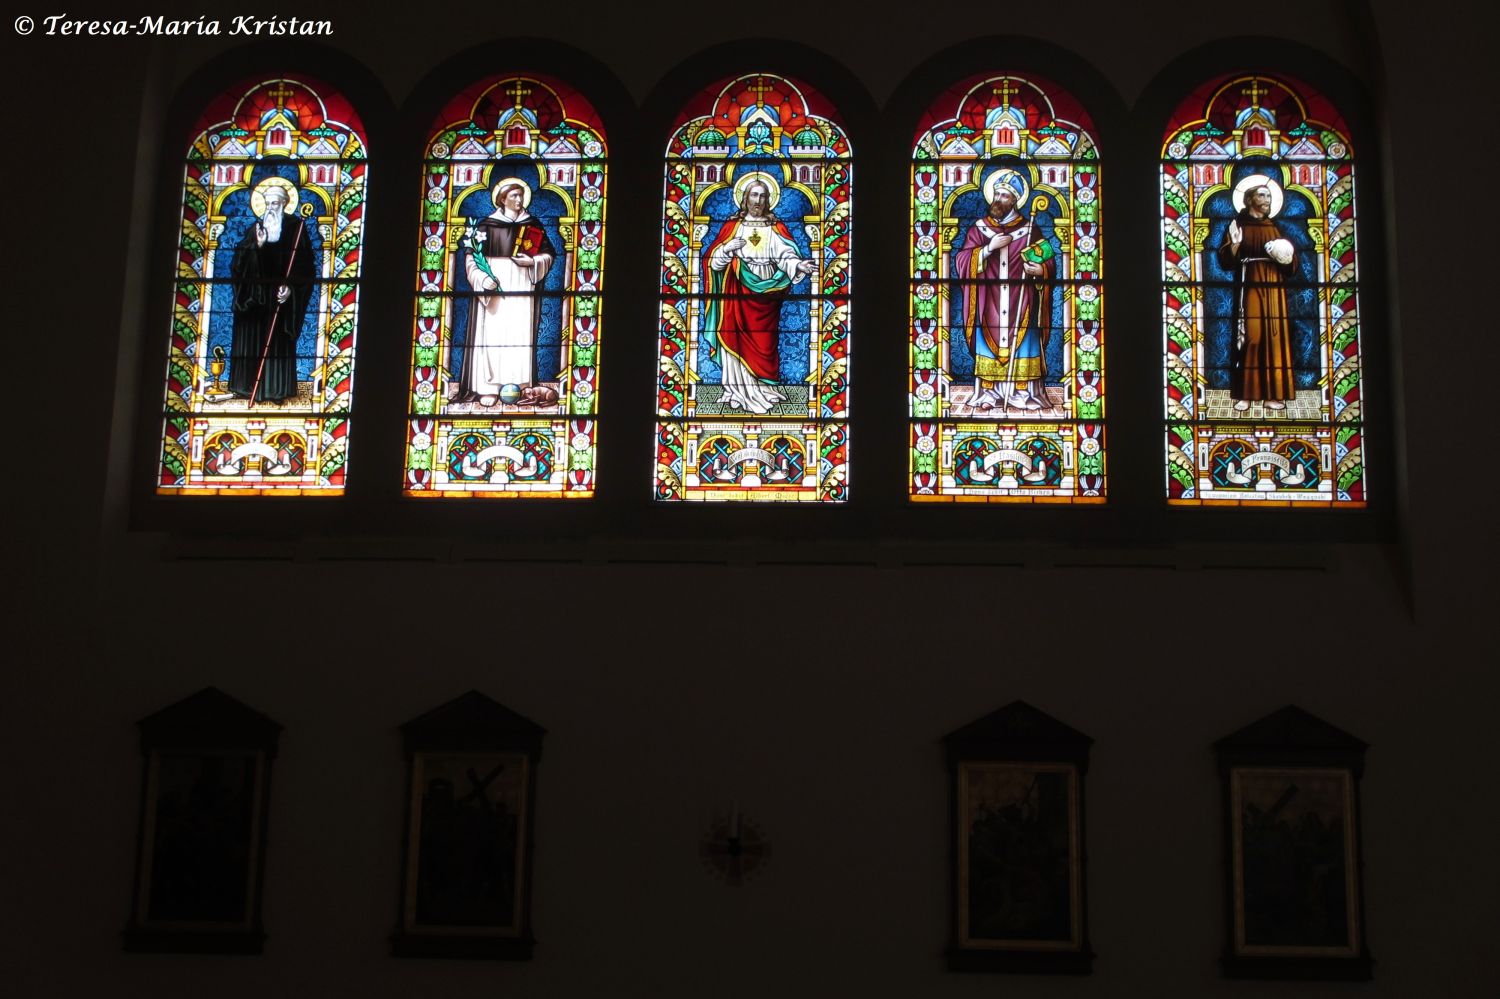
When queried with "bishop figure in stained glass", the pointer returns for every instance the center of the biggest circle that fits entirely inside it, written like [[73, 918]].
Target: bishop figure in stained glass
[[1005, 300]]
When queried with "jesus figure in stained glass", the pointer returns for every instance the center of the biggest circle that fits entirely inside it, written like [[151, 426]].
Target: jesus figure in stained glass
[[751, 264]]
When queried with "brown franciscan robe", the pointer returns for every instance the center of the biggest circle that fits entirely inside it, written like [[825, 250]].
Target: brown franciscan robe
[[1263, 371]]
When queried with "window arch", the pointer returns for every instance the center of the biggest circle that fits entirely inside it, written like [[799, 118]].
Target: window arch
[[1006, 343], [504, 374], [1261, 328], [754, 328], [260, 367]]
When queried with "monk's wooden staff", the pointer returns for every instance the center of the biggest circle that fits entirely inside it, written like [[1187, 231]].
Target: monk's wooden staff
[[265, 349]]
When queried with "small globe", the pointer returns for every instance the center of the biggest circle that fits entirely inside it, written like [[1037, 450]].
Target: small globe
[[510, 394]]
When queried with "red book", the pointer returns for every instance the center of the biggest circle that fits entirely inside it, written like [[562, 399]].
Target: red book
[[529, 240]]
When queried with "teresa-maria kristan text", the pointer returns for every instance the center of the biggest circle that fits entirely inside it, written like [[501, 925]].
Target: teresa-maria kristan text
[[245, 24]]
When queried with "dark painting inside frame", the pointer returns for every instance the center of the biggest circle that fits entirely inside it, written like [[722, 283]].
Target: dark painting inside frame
[[1019, 856], [466, 880], [200, 856], [1020, 860], [468, 824], [1294, 862], [1293, 873], [201, 822]]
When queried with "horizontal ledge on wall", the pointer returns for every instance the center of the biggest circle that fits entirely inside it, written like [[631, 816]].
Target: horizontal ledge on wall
[[750, 553], [1107, 564]]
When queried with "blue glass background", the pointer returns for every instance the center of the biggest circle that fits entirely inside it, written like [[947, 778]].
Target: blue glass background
[[793, 342], [1301, 293], [547, 207], [968, 208], [238, 221]]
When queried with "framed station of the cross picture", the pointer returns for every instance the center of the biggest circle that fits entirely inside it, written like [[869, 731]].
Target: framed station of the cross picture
[[1019, 858], [200, 862], [466, 877], [1294, 873]]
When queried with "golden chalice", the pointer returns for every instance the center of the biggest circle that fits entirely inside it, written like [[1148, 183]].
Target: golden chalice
[[216, 368]]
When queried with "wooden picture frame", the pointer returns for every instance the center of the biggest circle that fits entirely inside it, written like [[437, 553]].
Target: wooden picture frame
[[200, 858], [466, 861], [1019, 862], [1294, 873]]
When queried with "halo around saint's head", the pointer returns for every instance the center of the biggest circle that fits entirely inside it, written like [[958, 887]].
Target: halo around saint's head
[[1249, 184], [1010, 179], [511, 182], [773, 189], [258, 195]]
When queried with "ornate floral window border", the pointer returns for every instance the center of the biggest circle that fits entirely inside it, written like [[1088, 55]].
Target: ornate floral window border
[[1262, 353], [504, 380], [260, 371]]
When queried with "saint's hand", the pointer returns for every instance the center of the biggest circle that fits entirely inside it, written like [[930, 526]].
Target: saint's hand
[[1236, 234], [490, 284], [734, 245], [260, 234], [283, 293], [996, 242], [523, 259], [806, 267], [1035, 270]]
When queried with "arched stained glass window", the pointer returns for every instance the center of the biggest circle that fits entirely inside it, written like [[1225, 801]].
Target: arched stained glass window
[[505, 344], [753, 348], [260, 371], [1262, 357], [1006, 396]]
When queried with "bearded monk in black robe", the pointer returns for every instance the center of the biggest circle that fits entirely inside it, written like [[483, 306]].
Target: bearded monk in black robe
[[265, 286]]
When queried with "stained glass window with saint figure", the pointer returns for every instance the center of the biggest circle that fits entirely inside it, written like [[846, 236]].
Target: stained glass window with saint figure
[[1006, 336], [504, 381], [260, 368], [1262, 357], [754, 324]]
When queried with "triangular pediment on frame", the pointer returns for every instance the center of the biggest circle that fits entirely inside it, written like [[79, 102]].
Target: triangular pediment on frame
[[209, 719], [473, 722], [1018, 731], [1291, 737]]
